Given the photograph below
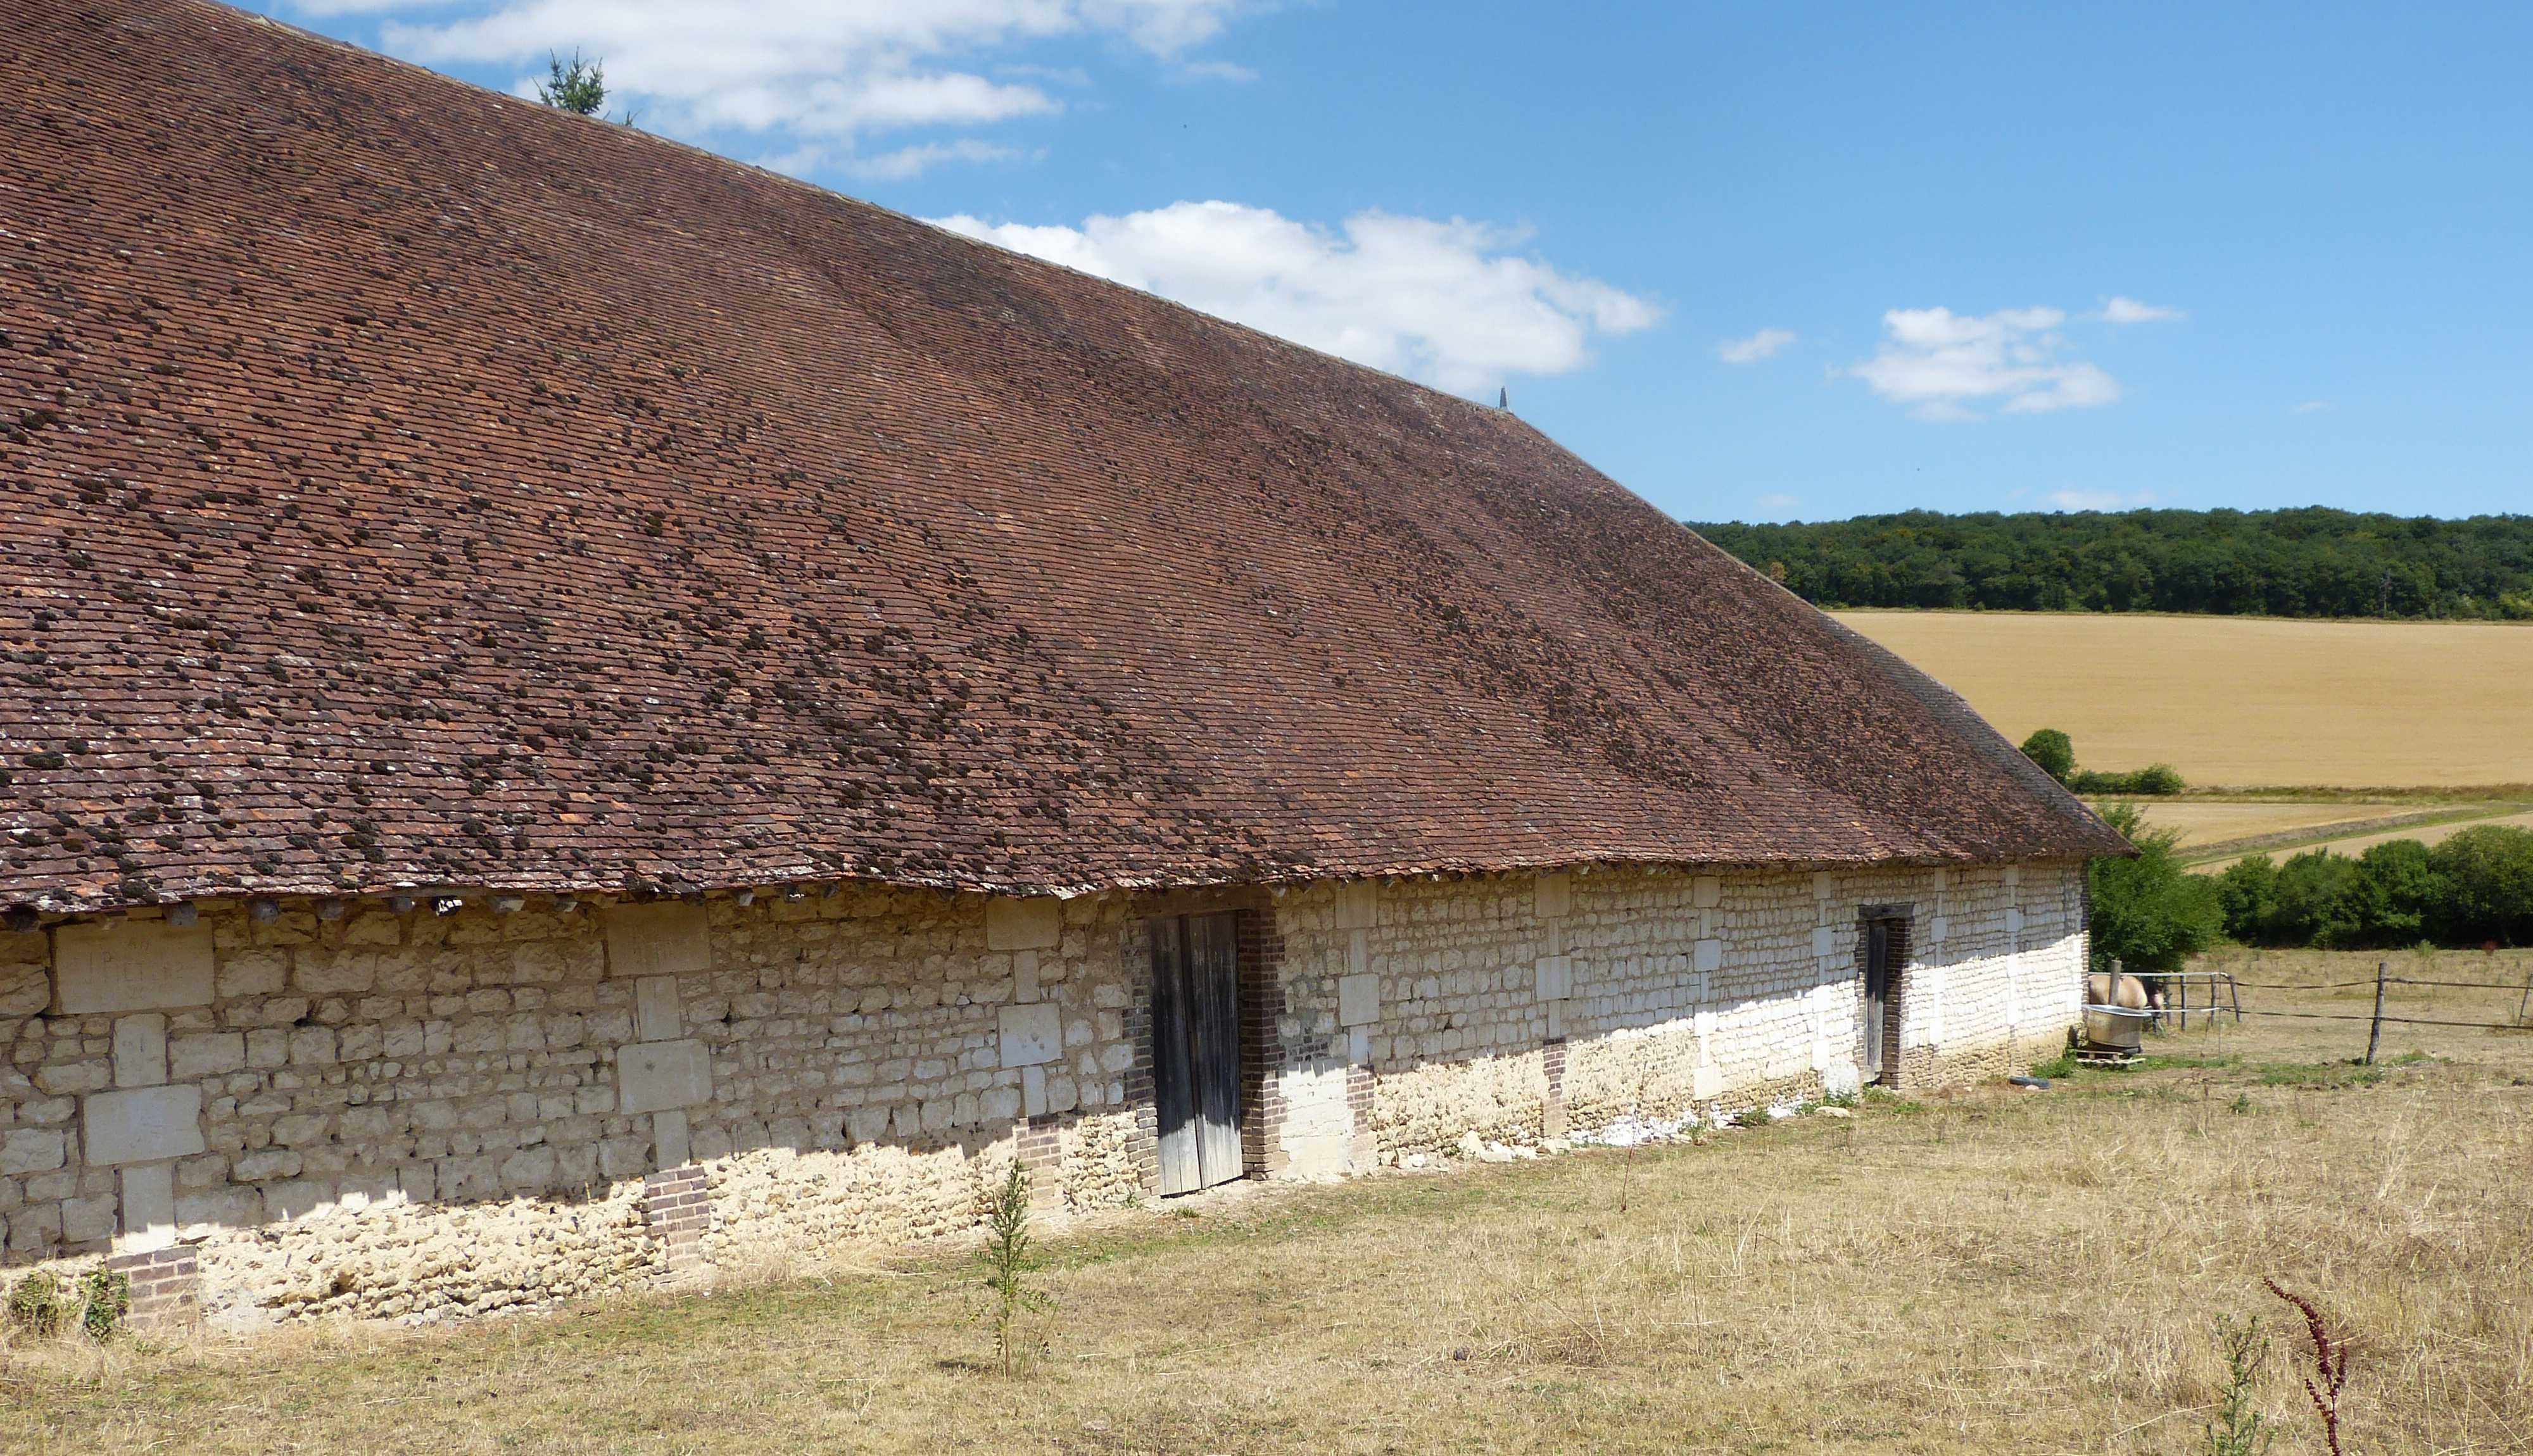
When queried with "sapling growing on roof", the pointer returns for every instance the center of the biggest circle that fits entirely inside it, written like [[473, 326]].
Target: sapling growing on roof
[[579, 87]]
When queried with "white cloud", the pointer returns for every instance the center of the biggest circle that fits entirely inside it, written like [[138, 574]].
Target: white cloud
[[1767, 343], [2309, 407], [1448, 303], [801, 77], [2072, 499], [2130, 310], [1942, 363], [1778, 502]]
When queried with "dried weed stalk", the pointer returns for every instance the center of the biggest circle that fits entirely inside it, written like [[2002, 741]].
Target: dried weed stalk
[[2329, 1365]]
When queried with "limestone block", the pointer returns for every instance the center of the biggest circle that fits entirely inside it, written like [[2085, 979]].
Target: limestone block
[[149, 1208], [653, 1076], [2013, 920], [1556, 978], [1824, 943], [1706, 1081], [671, 1138], [1033, 1033], [87, 1220], [1035, 924], [1555, 896], [1033, 1091], [656, 1013], [283, 1201], [30, 1150], [1358, 999], [140, 1050], [1709, 955], [120, 966], [670, 937], [206, 1054], [1706, 891], [1358, 905], [141, 1125], [24, 990]]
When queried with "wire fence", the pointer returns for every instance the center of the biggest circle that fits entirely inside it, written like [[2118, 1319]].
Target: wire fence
[[2225, 986]]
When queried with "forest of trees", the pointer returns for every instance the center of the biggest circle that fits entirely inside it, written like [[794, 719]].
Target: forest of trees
[[2308, 562]]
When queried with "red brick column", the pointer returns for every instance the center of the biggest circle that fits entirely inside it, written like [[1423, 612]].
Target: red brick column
[[166, 1286], [678, 1209], [1551, 1058], [1038, 1143], [1358, 1091]]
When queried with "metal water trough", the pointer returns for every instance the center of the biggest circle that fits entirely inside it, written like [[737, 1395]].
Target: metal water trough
[[2113, 1029]]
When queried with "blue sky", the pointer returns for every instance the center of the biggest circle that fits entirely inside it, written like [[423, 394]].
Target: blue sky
[[1754, 262]]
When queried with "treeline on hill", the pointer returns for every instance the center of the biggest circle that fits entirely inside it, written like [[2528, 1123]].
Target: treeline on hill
[[2474, 888], [2309, 562]]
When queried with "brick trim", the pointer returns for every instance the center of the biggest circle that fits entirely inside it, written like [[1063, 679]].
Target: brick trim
[[677, 1207], [166, 1286], [1037, 1143], [1551, 1062], [1262, 1044]]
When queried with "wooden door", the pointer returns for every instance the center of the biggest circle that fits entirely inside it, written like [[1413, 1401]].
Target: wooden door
[[1885, 943], [1196, 1048]]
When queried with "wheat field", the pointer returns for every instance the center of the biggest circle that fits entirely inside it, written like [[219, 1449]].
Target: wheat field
[[2243, 701]]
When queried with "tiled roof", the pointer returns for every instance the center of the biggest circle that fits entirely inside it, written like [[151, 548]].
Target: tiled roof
[[402, 484]]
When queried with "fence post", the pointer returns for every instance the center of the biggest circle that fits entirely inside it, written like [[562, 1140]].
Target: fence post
[[2375, 1032]]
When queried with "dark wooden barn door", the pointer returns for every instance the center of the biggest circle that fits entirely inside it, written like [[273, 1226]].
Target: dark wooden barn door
[[1886, 947], [1196, 1048]]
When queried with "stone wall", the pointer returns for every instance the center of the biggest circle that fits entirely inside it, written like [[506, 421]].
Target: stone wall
[[445, 1107], [1672, 995]]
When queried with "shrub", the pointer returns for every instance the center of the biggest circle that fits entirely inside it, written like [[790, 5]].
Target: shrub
[[2316, 903], [2158, 778], [2398, 889], [37, 1306], [2155, 781], [2247, 895], [2149, 913], [2054, 751], [106, 1297], [2488, 884]]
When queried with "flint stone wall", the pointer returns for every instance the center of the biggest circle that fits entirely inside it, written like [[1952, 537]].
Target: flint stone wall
[[421, 1115]]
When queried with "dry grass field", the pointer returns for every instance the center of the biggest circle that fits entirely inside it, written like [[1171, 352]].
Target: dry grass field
[[2243, 701], [1995, 1272], [2353, 844], [2211, 821]]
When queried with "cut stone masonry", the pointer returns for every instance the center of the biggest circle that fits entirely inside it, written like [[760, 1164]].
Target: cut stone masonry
[[424, 1115]]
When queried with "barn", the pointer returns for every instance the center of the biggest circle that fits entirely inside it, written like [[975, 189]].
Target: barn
[[575, 711]]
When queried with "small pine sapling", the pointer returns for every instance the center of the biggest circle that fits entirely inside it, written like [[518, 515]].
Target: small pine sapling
[[2240, 1430], [1008, 1263]]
